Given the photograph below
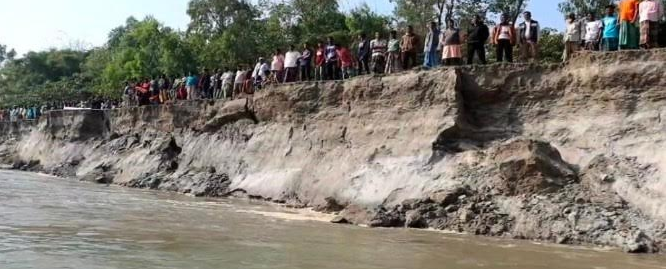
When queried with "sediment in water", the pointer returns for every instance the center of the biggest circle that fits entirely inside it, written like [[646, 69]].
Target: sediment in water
[[568, 154]]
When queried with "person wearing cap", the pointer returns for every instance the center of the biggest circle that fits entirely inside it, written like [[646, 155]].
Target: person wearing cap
[[528, 37]]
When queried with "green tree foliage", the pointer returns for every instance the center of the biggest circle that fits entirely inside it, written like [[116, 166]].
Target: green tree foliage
[[211, 18], [551, 45], [418, 13], [582, 7], [363, 20], [5, 54], [143, 49]]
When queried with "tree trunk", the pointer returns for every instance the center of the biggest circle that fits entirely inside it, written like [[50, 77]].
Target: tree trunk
[[517, 10]]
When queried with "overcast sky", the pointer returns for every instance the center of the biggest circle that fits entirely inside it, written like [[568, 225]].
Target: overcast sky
[[42, 24]]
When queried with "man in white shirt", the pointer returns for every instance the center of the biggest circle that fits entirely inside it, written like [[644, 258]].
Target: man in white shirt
[[649, 14], [238, 81], [227, 83], [291, 64], [260, 73], [529, 37], [593, 28]]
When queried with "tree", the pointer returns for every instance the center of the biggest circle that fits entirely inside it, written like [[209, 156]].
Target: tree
[[6, 55], [212, 17], [551, 45], [363, 20], [512, 8], [418, 13]]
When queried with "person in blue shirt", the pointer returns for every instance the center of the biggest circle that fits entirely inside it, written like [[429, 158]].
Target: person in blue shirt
[[431, 47], [191, 85], [610, 39]]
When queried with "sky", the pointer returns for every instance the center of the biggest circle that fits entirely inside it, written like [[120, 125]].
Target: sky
[[35, 25]]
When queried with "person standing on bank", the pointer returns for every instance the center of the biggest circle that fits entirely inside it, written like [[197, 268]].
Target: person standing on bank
[[363, 55], [611, 34], [277, 68], [504, 37], [378, 47], [593, 29], [291, 64], [649, 13], [451, 44], [529, 38], [305, 63], [572, 37], [431, 45], [629, 35], [476, 40], [320, 62], [393, 54], [331, 53], [409, 46]]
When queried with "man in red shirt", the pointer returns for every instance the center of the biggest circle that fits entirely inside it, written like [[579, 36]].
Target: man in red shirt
[[346, 60]]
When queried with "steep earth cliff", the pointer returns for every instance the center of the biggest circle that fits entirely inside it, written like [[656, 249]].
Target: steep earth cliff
[[568, 154]]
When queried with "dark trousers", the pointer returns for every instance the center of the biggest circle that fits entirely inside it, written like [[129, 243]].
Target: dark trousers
[[364, 65], [290, 74], [408, 59], [332, 70], [504, 49], [305, 72], [477, 48]]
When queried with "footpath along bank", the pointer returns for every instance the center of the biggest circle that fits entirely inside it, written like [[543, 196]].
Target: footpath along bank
[[570, 154]]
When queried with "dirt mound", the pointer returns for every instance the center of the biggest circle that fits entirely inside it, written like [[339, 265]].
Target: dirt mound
[[531, 167]]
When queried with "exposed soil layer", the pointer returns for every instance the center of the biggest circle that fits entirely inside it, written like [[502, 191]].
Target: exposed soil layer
[[568, 154]]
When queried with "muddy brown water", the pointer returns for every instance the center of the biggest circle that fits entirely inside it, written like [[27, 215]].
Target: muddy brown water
[[48, 222]]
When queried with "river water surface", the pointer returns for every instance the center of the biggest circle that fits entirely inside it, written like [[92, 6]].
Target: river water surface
[[48, 222]]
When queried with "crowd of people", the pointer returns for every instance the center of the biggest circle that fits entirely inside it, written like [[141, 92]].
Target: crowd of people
[[637, 26], [33, 112]]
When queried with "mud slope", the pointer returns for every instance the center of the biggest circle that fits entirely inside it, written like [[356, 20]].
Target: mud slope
[[569, 154]]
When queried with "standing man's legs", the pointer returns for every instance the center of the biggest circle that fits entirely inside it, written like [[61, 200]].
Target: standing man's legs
[[471, 49], [534, 51], [481, 52]]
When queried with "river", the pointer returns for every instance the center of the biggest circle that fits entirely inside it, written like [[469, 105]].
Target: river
[[48, 222]]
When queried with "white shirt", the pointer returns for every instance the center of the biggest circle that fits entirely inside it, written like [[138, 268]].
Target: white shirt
[[291, 59], [228, 77], [572, 33], [240, 76], [260, 70], [593, 30], [650, 11], [264, 69], [256, 71]]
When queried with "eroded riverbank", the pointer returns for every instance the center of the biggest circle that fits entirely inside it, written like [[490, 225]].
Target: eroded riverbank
[[60, 223], [564, 154]]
